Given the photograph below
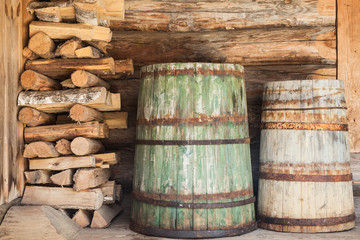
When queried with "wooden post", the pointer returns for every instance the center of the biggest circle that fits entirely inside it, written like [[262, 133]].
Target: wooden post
[[32, 117], [41, 150], [31, 80], [63, 147], [90, 178], [84, 146], [42, 45], [81, 78], [80, 113]]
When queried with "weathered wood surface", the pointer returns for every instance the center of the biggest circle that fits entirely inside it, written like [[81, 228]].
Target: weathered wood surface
[[37, 222], [63, 147], [85, 146], [41, 44], [283, 46], [88, 52], [65, 31], [316, 145], [62, 163], [62, 100], [38, 177], [103, 216], [40, 149], [348, 62], [6, 206], [81, 78], [63, 178], [82, 218], [67, 84], [190, 16], [51, 67], [90, 178], [68, 48], [81, 113], [32, 117], [67, 131], [28, 54], [31, 80], [122, 68], [12, 164], [109, 191], [63, 197]]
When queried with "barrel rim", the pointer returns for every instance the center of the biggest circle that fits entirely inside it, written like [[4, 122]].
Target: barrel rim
[[143, 68], [306, 80]]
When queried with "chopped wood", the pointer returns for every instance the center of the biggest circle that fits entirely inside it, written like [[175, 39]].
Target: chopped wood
[[65, 31], [33, 6], [63, 68], [101, 45], [67, 84], [31, 80], [67, 131], [68, 48], [109, 158], [63, 147], [103, 216], [32, 117], [109, 192], [28, 54], [41, 44], [84, 146], [38, 177], [82, 218], [63, 178], [122, 68], [40, 149], [49, 14], [63, 100], [61, 197], [90, 178], [62, 163], [80, 113], [81, 78], [114, 120], [86, 13], [118, 193], [88, 52]]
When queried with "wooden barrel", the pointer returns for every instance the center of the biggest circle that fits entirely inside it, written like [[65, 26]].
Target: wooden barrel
[[192, 174], [305, 179]]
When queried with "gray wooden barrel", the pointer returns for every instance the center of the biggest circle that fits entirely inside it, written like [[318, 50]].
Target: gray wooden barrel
[[192, 175], [305, 179]]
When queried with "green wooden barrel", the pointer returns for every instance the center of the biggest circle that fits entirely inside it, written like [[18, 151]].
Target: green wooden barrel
[[192, 176]]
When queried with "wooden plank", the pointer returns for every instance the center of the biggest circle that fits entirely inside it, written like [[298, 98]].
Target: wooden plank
[[67, 131], [348, 16], [63, 100], [90, 178], [316, 45], [157, 15], [5, 207], [63, 197], [103, 216], [62, 163], [65, 31], [50, 67]]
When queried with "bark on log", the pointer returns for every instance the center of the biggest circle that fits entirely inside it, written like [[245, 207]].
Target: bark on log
[[81, 146], [31, 80], [122, 68], [38, 177], [41, 44], [80, 113], [63, 147], [67, 131], [32, 117], [49, 14], [68, 48], [86, 13], [40, 150], [90, 178], [81, 78]]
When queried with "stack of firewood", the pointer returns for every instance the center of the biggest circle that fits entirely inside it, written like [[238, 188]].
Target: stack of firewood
[[67, 110]]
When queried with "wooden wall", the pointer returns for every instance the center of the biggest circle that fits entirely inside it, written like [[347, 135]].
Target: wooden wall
[[273, 39]]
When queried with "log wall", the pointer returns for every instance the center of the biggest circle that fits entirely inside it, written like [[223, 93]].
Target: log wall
[[274, 40]]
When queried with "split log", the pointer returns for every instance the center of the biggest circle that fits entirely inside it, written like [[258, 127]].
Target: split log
[[109, 192], [67, 131], [81, 146], [38, 177], [40, 150], [88, 52], [103, 216], [90, 178], [82, 218], [67, 84], [86, 13], [28, 54], [32, 117], [68, 48], [49, 11], [51, 68], [63, 178], [109, 158], [81, 78], [118, 192], [60, 197], [49, 14], [101, 45], [31, 80], [80, 113], [41, 44], [63, 147], [122, 68], [62, 163], [63, 100], [65, 31]]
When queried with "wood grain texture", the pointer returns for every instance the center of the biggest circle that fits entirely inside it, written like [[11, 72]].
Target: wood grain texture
[[103, 216], [348, 61], [40, 150], [90, 178], [63, 178], [246, 47], [189, 16], [62, 163], [38, 177]]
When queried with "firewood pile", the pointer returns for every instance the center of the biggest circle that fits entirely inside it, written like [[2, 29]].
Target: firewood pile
[[67, 108]]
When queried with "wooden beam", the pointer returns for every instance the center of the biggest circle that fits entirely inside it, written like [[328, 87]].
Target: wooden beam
[[348, 17], [65, 31], [63, 100], [60, 197], [103, 216], [38, 177], [51, 67], [90, 178], [62, 163], [67, 131]]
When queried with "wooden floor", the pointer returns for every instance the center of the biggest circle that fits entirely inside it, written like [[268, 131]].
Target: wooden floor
[[120, 229]]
